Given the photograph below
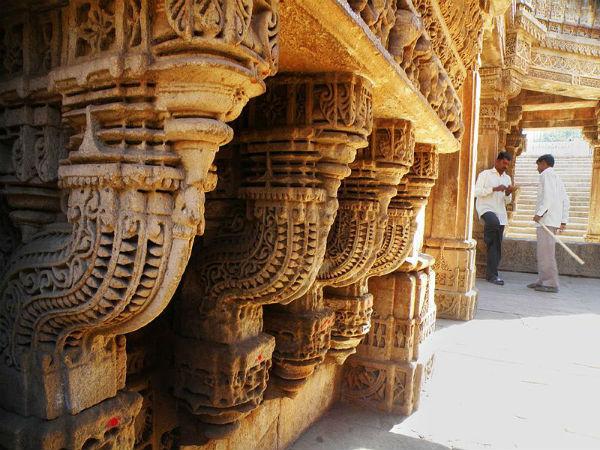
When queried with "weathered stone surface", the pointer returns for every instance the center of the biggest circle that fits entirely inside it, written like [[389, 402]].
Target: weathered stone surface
[[113, 132], [519, 255]]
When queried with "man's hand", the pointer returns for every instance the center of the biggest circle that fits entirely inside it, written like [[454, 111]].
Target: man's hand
[[500, 188], [537, 218], [510, 189]]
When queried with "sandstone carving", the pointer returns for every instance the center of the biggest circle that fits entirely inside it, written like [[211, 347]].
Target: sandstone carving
[[141, 136], [189, 251], [293, 149]]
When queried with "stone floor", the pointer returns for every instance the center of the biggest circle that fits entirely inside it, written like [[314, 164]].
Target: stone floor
[[525, 374]]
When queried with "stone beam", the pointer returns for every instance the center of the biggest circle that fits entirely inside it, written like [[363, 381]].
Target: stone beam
[[328, 35], [558, 118]]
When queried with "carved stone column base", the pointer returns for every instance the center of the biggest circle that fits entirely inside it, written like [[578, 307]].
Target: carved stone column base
[[392, 387], [237, 375], [455, 294], [51, 386], [302, 343], [456, 305], [395, 359], [108, 425]]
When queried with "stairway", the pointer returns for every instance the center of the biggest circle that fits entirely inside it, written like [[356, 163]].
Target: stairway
[[576, 173]]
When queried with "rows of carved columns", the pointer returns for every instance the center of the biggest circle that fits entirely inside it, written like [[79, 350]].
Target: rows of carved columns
[[448, 234], [143, 104], [292, 152], [119, 109], [393, 361]]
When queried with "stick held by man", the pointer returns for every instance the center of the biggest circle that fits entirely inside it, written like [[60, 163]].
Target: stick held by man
[[552, 210]]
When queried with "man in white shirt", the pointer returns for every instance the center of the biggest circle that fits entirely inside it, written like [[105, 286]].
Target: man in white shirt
[[493, 191], [552, 210]]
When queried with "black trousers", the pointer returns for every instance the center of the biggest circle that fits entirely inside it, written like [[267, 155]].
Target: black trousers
[[492, 236]]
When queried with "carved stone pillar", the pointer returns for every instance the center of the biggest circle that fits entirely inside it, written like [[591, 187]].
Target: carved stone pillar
[[145, 101], [302, 329], [515, 144], [376, 173], [450, 217], [592, 136], [593, 231], [392, 362], [292, 152]]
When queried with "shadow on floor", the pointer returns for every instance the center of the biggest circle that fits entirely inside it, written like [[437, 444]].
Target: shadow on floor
[[348, 427]]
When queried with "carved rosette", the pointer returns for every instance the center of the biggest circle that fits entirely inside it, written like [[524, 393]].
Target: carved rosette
[[391, 153], [291, 153], [145, 107]]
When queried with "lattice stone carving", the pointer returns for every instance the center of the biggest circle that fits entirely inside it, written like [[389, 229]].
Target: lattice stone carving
[[292, 151]]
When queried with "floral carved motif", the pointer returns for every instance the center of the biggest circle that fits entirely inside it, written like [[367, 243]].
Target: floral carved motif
[[95, 25]]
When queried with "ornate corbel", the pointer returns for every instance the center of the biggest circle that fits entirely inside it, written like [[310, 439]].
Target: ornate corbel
[[382, 165], [293, 149], [146, 107], [379, 15]]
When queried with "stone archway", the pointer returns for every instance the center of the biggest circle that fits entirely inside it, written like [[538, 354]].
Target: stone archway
[[573, 157]]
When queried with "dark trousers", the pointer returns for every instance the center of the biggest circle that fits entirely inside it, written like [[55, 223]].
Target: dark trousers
[[492, 236]]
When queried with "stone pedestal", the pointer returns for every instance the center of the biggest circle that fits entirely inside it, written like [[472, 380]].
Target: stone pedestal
[[395, 359], [455, 293], [108, 425]]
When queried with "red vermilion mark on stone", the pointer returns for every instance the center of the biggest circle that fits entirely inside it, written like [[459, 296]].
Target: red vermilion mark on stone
[[259, 357], [112, 422]]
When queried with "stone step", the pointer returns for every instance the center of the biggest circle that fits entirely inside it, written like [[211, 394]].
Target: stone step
[[573, 200], [580, 202], [581, 195], [573, 215], [569, 185], [528, 236], [573, 178], [557, 159], [576, 178], [531, 230], [528, 224]]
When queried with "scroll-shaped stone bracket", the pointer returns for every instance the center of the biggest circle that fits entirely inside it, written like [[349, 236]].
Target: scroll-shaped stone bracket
[[391, 147], [292, 150]]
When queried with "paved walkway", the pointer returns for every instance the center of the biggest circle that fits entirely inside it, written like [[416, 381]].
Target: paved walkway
[[525, 374]]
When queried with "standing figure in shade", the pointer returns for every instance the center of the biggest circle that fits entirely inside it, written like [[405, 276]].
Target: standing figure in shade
[[493, 191], [552, 210]]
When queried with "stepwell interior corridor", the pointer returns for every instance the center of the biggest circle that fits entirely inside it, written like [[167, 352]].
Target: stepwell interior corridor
[[525, 374]]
